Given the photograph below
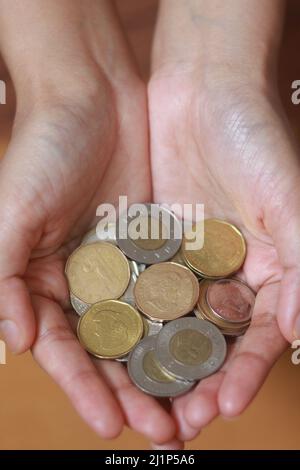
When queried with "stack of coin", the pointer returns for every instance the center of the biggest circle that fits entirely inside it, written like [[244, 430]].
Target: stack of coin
[[185, 350], [227, 303], [140, 300]]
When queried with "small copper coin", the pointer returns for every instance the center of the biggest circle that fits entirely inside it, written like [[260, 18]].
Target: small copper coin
[[231, 300]]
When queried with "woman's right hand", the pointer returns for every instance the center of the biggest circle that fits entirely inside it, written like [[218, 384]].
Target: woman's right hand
[[79, 139]]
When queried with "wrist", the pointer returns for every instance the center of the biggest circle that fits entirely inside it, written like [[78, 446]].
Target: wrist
[[239, 39], [63, 48]]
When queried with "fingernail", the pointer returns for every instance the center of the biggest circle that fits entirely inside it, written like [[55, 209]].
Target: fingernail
[[10, 333], [297, 328]]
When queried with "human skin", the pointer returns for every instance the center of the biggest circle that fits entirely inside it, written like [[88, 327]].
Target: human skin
[[80, 138], [71, 151], [224, 132]]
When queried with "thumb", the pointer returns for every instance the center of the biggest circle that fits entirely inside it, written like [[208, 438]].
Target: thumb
[[285, 229], [17, 235]]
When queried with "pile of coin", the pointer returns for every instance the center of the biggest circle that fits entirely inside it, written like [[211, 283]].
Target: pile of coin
[[185, 350], [140, 300], [227, 303]]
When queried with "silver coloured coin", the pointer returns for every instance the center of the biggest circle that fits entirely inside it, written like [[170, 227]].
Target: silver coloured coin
[[123, 359], [149, 256], [136, 269], [146, 374], [141, 267], [190, 349], [154, 327], [78, 305]]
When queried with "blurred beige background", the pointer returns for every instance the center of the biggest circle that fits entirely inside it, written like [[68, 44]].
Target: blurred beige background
[[34, 414]]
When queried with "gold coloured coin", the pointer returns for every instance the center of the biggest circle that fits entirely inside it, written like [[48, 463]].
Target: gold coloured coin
[[145, 327], [97, 272], [154, 370], [223, 251], [152, 226], [190, 347], [166, 291], [178, 258], [110, 329]]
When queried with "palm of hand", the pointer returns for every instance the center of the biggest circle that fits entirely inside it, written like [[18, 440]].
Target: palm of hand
[[218, 151], [181, 138]]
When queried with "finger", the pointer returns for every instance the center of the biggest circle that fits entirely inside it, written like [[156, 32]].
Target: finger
[[200, 406], [175, 444], [289, 304], [45, 277], [259, 349], [203, 405], [19, 217], [58, 351], [185, 432], [142, 412]]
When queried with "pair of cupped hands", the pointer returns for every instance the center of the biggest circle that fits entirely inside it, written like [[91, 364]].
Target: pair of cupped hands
[[88, 129]]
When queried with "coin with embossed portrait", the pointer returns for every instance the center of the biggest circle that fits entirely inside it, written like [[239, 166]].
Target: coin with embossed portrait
[[110, 329], [190, 349], [231, 300], [223, 251], [166, 291], [147, 374], [107, 232], [151, 327], [203, 310], [145, 333], [97, 272]]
